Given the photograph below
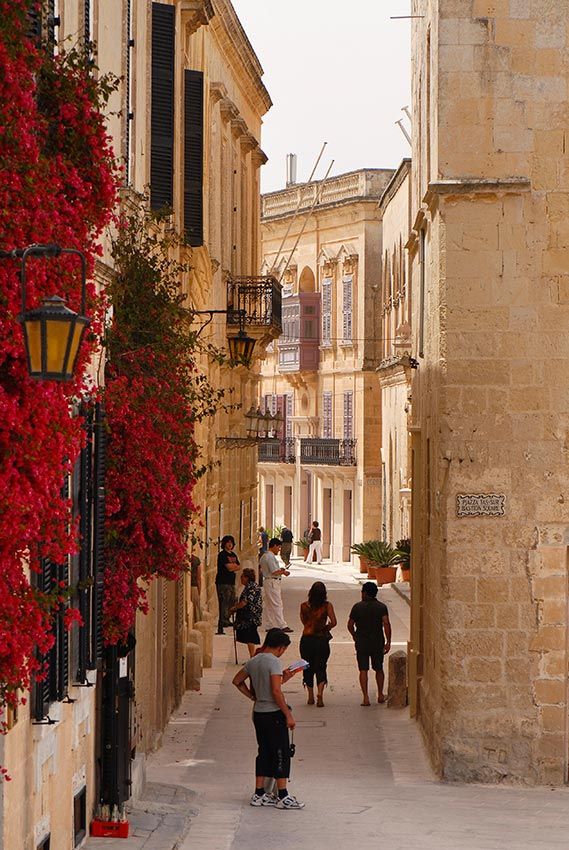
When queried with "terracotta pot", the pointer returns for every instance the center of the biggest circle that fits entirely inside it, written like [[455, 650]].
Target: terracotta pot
[[305, 554], [385, 575], [406, 574], [364, 564], [372, 571]]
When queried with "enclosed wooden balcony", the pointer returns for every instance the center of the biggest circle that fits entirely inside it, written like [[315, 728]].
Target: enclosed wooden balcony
[[299, 344]]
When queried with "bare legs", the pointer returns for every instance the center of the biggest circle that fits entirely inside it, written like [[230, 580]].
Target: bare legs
[[310, 696], [379, 678], [252, 649], [319, 694]]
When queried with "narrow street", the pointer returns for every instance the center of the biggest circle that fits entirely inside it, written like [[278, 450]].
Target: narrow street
[[362, 772]]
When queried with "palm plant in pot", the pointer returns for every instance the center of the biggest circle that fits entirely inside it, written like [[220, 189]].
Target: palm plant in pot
[[383, 561], [362, 549], [403, 548], [304, 545]]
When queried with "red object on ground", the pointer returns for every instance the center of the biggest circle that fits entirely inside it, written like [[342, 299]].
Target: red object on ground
[[109, 828]]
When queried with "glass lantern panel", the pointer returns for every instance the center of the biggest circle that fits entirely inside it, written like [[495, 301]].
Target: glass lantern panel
[[32, 329], [56, 334]]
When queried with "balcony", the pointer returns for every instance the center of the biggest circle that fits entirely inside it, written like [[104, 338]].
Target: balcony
[[277, 451], [256, 302], [326, 451], [299, 344]]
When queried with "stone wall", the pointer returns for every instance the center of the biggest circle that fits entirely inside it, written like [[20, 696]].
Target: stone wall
[[490, 407]]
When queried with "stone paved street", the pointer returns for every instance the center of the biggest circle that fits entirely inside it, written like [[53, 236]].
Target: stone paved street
[[362, 772]]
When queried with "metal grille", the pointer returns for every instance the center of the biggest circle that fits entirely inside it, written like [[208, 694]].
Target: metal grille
[[255, 300]]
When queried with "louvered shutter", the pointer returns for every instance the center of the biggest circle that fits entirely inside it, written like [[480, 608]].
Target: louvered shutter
[[289, 414], [60, 681], [34, 22], [326, 311], [347, 310], [100, 460], [162, 107], [327, 414], [50, 25], [193, 157], [128, 93], [42, 690], [348, 415], [85, 554]]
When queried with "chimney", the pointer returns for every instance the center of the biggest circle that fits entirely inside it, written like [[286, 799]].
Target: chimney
[[290, 169]]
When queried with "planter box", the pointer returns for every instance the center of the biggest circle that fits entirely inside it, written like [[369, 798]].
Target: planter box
[[385, 575], [372, 571], [109, 828], [364, 565], [406, 574]]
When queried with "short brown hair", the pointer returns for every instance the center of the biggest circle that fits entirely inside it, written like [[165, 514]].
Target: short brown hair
[[249, 573]]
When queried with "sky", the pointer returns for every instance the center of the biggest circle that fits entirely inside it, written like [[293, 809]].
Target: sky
[[337, 72]]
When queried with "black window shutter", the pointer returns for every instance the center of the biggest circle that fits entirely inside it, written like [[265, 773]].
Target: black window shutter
[[60, 682], [85, 552], [193, 157], [87, 21], [34, 23], [50, 25], [43, 689], [100, 434], [162, 107]]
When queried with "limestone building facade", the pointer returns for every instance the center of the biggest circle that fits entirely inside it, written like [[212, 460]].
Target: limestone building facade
[[394, 370], [490, 281], [186, 122], [325, 464]]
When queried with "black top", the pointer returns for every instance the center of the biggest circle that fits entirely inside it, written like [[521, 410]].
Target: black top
[[315, 534], [368, 616], [287, 536], [225, 576]]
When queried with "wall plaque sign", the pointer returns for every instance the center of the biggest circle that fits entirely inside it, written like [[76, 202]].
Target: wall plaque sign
[[480, 504]]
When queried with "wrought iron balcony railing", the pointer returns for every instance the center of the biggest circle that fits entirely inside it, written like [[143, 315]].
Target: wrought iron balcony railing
[[255, 301], [327, 451], [277, 451]]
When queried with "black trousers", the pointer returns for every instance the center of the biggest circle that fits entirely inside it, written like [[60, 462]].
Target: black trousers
[[226, 598], [273, 758], [315, 650]]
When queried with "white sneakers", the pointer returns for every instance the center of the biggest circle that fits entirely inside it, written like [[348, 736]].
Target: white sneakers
[[288, 802]]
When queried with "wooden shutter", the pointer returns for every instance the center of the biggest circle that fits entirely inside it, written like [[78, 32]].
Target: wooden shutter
[[85, 499], [34, 22], [128, 93], [289, 408], [42, 691], [87, 21], [60, 680], [193, 157], [348, 415], [162, 107], [347, 310], [50, 25], [100, 463], [326, 311], [327, 414]]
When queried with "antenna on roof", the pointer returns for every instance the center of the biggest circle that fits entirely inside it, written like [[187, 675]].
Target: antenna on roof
[[290, 169], [300, 195]]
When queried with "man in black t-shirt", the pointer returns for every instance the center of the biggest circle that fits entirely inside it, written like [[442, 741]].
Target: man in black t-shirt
[[371, 630], [286, 549], [227, 566]]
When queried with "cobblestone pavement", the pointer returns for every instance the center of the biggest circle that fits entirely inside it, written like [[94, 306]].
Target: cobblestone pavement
[[361, 771]]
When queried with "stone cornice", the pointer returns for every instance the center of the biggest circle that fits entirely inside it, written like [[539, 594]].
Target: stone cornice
[[238, 49], [259, 157], [476, 186], [228, 109], [395, 369], [395, 183], [248, 142], [195, 14], [217, 92], [238, 127]]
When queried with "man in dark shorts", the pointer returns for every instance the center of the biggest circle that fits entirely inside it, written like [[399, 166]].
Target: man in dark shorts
[[371, 630]]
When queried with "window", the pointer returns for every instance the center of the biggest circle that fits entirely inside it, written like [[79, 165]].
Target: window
[[327, 311], [193, 157], [347, 306], [327, 414], [79, 816], [348, 415], [162, 107], [289, 408]]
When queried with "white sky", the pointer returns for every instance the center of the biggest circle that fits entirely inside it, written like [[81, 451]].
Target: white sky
[[336, 71]]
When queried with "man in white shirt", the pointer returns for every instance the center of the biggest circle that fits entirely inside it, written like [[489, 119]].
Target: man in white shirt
[[273, 614]]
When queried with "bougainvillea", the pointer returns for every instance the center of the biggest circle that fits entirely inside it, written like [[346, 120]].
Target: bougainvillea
[[154, 394], [57, 184]]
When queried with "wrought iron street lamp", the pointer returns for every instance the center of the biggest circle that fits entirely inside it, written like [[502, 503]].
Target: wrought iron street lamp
[[52, 332], [241, 349]]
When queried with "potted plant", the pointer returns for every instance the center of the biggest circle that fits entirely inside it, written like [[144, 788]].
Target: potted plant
[[304, 545], [383, 560], [361, 549], [403, 548]]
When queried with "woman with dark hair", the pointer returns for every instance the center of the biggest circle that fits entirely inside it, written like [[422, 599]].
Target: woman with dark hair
[[248, 611], [318, 618], [227, 566]]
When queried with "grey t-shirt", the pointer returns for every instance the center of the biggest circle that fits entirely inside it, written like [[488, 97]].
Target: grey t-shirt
[[269, 564], [260, 668]]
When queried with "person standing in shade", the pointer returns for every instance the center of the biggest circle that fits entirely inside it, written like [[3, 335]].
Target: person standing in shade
[[286, 549], [315, 540], [196, 587], [227, 566], [371, 630], [248, 612], [272, 572], [272, 718]]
